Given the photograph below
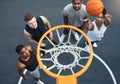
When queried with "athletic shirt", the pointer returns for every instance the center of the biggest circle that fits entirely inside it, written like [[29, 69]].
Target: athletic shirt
[[75, 17], [32, 63], [39, 31], [95, 34]]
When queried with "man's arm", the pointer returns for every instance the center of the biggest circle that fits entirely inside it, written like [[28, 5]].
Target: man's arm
[[65, 19], [29, 37], [107, 19], [47, 23], [88, 24], [21, 68]]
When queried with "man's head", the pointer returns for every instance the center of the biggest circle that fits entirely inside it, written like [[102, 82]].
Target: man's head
[[23, 51], [77, 4], [30, 19], [101, 17], [19, 48]]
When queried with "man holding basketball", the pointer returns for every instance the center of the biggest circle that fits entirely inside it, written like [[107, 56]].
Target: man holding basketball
[[98, 27], [27, 60], [73, 14]]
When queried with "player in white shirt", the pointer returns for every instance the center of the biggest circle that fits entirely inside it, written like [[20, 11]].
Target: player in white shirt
[[98, 27]]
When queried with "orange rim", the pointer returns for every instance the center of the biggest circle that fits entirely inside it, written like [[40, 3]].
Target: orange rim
[[73, 75]]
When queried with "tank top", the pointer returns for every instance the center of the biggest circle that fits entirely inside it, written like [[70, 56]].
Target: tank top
[[39, 31], [32, 63], [95, 34]]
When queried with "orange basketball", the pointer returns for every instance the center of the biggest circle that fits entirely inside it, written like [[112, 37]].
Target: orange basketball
[[94, 7]]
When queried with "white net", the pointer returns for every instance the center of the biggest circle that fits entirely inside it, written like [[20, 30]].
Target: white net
[[66, 57]]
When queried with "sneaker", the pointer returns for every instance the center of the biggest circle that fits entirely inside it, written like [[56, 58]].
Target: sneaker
[[40, 82], [41, 55], [76, 36], [44, 66], [62, 37], [95, 45], [87, 47]]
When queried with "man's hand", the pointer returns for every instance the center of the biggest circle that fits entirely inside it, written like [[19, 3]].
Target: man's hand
[[86, 20], [25, 77], [51, 36]]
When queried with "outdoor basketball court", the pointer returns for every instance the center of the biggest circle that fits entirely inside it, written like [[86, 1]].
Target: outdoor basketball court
[[104, 68]]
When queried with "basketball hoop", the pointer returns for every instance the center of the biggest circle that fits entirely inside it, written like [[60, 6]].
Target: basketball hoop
[[56, 69]]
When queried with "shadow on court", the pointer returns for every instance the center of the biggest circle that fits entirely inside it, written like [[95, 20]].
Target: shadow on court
[[11, 32]]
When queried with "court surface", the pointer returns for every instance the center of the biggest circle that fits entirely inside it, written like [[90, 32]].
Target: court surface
[[11, 32]]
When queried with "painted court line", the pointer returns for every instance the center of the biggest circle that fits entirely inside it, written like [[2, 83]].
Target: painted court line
[[96, 56]]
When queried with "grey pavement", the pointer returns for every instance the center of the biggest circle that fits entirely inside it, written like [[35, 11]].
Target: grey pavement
[[11, 34]]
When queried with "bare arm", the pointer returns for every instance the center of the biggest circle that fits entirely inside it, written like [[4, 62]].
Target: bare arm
[[65, 18], [21, 68], [47, 23], [88, 24], [29, 37], [107, 19]]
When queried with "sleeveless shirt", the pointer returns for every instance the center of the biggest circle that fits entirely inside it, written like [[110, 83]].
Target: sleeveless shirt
[[39, 31], [95, 34], [32, 63]]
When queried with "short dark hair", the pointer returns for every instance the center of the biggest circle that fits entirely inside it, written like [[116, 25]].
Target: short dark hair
[[74, 0], [28, 16], [19, 48]]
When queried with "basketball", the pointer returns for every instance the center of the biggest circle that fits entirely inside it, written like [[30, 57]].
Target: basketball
[[94, 7]]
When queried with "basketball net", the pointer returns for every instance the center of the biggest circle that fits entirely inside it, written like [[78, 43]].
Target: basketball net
[[56, 69]]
